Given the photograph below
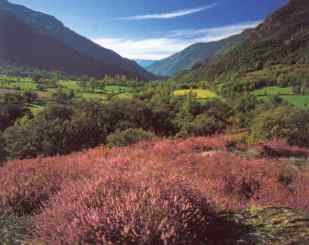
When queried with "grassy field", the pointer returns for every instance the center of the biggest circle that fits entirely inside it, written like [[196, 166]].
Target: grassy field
[[199, 93], [103, 94], [269, 91], [14, 84], [72, 85], [301, 101], [35, 109], [24, 84]]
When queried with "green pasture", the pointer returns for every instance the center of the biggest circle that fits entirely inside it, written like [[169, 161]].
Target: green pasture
[[301, 101]]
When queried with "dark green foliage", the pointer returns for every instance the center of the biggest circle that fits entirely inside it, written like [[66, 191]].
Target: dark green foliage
[[13, 230], [245, 109], [203, 125], [30, 97], [164, 108], [63, 97], [44, 135], [121, 114], [128, 137], [283, 122], [201, 120], [12, 107], [3, 153], [68, 124], [88, 126], [57, 130]]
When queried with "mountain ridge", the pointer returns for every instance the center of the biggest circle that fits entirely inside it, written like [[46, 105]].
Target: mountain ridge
[[40, 51], [198, 53], [283, 38], [43, 24]]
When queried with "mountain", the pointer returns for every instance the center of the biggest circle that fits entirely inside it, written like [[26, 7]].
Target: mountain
[[52, 37], [41, 51], [283, 38], [198, 53], [145, 63]]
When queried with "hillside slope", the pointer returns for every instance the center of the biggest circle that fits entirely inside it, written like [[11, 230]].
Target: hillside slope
[[144, 63], [51, 28], [41, 51], [283, 38], [198, 53]]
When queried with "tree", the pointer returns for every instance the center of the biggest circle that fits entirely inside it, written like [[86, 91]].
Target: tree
[[284, 122], [30, 97], [39, 136], [11, 108], [63, 97], [203, 125], [121, 114], [128, 137], [3, 153], [58, 129]]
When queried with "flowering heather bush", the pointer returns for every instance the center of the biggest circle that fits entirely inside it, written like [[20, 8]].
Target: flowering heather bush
[[277, 149], [117, 212], [27, 184], [160, 192], [238, 183]]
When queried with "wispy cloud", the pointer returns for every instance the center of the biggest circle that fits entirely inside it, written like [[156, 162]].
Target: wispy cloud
[[152, 48], [169, 15], [171, 42], [215, 33]]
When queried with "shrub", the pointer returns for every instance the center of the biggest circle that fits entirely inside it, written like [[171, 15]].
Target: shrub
[[57, 130], [277, 149], [30, 183], [204, 125], [203, 120], [63, 97], [148, 193], [30, 97], [10, 111], [122, 114], [13, 229], [38, 137], [3, 153], [282, 122], [128, 137], [120, 212]]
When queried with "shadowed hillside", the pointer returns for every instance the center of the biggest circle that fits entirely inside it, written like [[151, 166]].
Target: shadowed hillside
[[199, 53], [68, 50], [282, 39], [41, 51]]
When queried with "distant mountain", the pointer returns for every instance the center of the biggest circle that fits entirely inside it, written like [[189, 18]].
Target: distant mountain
[[283, 38], [20, 45], [145, 63], [198, 53], [47, 32]]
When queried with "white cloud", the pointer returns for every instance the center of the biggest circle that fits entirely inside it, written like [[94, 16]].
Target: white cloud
[[171, 42], [216, 33], [152, 48], [169, 15]]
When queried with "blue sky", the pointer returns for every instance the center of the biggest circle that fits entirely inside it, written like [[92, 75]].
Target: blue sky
[[154, 29]]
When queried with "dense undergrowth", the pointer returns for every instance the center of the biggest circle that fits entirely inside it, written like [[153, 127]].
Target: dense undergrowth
[[157, 192]]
